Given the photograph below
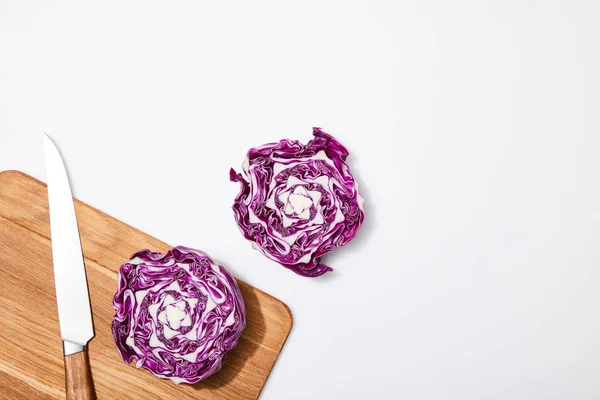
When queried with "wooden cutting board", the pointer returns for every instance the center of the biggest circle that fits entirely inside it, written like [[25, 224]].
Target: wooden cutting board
[[31, 360]]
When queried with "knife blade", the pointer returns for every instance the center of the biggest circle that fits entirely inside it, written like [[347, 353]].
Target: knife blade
[[72, 297]]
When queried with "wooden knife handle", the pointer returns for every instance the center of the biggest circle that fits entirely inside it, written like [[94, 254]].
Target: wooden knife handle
[[78, 376]]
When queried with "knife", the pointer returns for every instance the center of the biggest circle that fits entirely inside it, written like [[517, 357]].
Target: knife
[[74, 312]]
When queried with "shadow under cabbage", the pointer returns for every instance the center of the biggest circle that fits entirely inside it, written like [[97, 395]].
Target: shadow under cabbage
[[248, 344], [364, 234]]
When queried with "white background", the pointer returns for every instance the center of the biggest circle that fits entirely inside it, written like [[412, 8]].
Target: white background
[[474, 132]]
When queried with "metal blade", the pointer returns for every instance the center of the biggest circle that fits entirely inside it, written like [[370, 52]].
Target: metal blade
[[72, 296]]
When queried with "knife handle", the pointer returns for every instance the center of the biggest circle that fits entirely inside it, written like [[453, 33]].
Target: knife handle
[[78, 376]]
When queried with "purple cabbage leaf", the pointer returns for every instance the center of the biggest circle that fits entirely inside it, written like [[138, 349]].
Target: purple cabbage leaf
[[298, 202], [177, 314]]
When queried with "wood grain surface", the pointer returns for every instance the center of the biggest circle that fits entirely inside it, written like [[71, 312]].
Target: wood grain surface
[[31, 359], [78, 377]]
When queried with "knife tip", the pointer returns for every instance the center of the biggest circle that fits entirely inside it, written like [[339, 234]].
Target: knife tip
[[48, 140]]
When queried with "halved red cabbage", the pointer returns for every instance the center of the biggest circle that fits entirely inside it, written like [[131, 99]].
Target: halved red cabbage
[[298, 202], [177, 314]]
